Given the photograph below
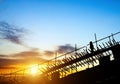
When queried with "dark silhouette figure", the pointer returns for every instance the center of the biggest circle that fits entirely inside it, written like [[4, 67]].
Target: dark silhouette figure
[[91, 47]]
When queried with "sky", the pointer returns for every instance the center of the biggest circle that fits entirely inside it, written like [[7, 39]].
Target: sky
[[32, 31]]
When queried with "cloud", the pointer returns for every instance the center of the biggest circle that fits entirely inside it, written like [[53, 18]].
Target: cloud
[[11, 33], [3, 56], [48, 53], [7, 62], [31, 56], [61, 49], [8, 67], [21, 58], [27, 54], [65, 48]]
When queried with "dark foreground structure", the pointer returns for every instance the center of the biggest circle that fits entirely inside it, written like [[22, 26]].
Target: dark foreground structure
[[100, 60], [108, 72], [104, 70]]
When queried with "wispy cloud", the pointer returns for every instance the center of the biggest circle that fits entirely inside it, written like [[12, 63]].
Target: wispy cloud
[[48, 53], [7, 62], [12, 33], [61, 49], [21, 58], [31, 56], [3, 67], [65, 48]]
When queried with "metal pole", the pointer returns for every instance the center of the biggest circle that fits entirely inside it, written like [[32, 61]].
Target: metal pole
[[96, 40]]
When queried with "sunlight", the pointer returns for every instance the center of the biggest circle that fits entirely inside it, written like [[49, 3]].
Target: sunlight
[[34, 70]]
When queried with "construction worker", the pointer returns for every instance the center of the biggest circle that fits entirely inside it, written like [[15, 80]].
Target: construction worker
[[91, 47]]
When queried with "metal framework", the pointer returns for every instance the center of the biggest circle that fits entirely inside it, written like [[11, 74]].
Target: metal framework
[[71, 62]]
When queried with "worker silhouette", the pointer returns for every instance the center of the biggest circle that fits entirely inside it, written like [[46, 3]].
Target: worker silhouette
[[91, 47]]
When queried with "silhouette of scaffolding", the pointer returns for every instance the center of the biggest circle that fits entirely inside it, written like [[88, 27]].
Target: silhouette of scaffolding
[[75, 61]]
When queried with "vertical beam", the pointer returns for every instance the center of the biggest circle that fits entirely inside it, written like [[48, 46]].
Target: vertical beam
[[96, 41]]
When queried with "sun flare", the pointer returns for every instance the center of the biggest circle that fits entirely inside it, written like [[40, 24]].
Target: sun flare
[[34, 70]]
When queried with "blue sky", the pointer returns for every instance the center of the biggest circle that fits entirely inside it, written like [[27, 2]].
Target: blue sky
[[51, 23]]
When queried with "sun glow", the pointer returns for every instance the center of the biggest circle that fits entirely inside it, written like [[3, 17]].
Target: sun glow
[[34, 70]]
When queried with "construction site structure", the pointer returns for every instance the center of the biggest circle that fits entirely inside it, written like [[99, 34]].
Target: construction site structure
[[96, 63]]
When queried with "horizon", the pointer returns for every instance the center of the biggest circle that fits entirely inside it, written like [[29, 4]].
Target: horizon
[[33, 31]]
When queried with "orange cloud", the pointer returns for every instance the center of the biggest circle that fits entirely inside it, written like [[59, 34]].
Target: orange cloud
[[33, 56]]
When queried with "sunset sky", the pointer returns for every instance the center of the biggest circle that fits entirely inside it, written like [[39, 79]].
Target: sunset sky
[[31, 31]]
